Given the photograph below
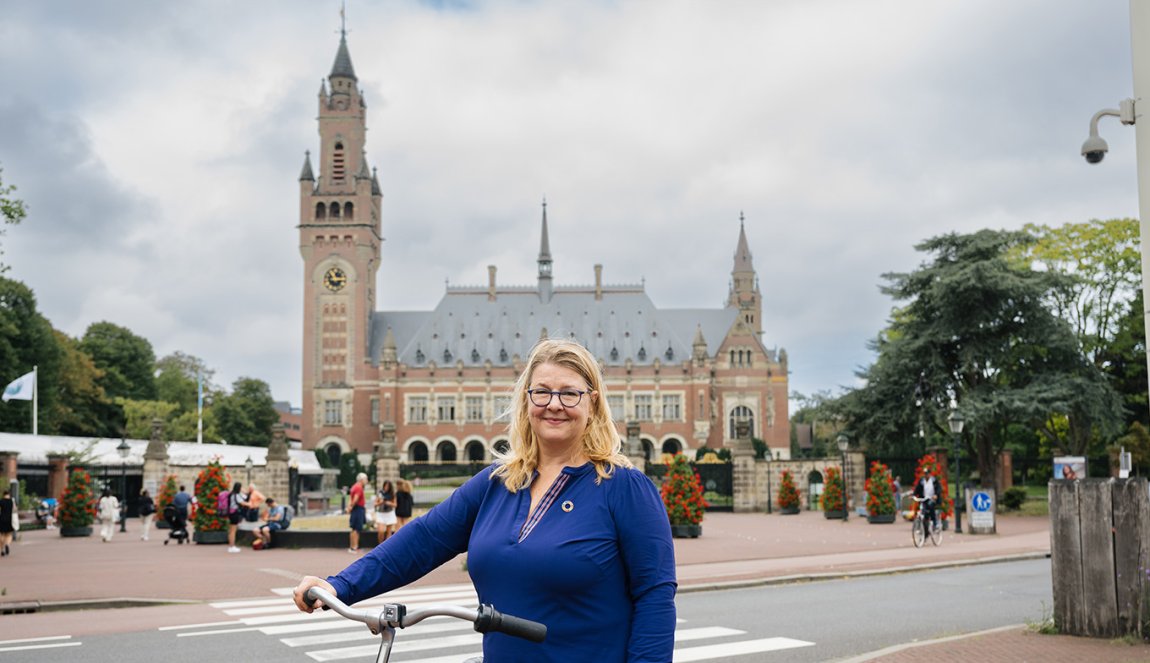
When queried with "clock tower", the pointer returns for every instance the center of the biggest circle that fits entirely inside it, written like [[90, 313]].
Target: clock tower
[[339, 239]]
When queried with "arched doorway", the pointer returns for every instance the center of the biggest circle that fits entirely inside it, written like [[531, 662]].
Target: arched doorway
[[475, 451], [333, 453], [648, 450], [502, 446], [814, 490], [417, 452], [672, 446], [445, 452]]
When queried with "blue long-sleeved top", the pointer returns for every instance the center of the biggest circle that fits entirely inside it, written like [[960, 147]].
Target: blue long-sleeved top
[[598, 569]]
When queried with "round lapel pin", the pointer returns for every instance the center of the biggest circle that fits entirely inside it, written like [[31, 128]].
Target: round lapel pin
[[567, 506]]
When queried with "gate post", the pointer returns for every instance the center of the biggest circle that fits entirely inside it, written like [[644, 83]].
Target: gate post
[[1099, 550], [743, 487]]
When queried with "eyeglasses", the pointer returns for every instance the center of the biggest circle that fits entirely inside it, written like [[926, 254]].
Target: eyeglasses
[[567, 397]]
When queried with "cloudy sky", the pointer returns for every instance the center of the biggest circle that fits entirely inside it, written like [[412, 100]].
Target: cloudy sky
[[158, 145]]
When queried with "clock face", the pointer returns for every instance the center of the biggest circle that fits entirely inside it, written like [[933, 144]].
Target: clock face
[[334, 279]]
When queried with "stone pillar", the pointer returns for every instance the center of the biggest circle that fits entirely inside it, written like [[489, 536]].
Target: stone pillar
[[386, 454], [156, 460], [634, 448], [743, 469], [856, 478], [57, 475], [8, 473], [275, 475], [1005, 471]]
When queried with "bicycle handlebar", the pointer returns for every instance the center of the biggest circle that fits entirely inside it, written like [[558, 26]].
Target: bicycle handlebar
[[486, 618]]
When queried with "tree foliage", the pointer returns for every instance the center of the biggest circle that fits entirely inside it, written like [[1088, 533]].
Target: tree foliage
[[27, 340], [12, 212], [976, 328], [246, 415], [127, 360]]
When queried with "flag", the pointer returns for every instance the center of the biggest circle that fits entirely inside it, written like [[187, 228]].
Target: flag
[[21, 388]]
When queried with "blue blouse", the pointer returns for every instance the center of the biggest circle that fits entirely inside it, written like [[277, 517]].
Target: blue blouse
[[598, 568]]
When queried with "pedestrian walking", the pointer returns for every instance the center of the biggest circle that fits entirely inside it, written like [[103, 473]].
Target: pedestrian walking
[[8, 522], [147, 514], [385, 519], [108, 511], [404, 501], [897, 485], [357, 515]]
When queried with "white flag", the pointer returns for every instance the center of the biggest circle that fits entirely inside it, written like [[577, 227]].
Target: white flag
[[21, 388]]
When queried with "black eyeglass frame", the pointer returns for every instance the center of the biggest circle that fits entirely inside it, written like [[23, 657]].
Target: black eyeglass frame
[[532, 393]]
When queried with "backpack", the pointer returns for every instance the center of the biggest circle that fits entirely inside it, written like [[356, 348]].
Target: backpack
[[224, 503], [285, 522]]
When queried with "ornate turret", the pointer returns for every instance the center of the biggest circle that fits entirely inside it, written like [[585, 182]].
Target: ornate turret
[[545, 285]]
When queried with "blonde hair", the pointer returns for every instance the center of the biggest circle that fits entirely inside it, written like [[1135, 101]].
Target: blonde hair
[[601, 440]]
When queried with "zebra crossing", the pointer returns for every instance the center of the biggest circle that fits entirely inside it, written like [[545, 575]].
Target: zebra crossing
[[325, 636]]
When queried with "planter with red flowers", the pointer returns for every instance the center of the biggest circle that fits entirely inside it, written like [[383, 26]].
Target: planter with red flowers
[[211, 527], [682, 493], [77, 505], [831, 500], [788, 496], [879, 495]]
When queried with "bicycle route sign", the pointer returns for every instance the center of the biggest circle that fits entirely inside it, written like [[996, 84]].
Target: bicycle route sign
[[981, 510]]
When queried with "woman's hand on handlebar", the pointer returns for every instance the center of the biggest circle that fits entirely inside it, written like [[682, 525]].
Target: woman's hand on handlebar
[[307, 583]]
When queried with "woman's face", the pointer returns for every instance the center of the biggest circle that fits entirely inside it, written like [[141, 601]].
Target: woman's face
[[554, 424]]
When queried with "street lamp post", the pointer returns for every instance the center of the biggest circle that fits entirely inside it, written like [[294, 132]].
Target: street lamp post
[[843, 441], [123, 449], [956, 422], [248, 464]]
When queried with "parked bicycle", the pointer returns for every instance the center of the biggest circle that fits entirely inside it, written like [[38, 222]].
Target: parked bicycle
[[921, 528], [384, 621]]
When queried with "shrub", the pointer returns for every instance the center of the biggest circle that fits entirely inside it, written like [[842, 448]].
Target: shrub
[[167, 493], [879, 490], [211, 480], [77, 503], [788, 494], [683, 493], [832, 498], [1013, 498]]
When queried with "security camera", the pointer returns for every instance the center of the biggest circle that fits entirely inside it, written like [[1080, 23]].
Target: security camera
[[1094, 149]]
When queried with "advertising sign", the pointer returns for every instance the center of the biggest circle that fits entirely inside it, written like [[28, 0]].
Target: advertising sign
[[1070, 467]]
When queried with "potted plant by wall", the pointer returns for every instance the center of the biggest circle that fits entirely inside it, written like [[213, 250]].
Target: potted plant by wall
[[879, 494], [683, 496], [832, 498], [211, 527], [945, 505], [77, 505], [788, 494], [167, 494]]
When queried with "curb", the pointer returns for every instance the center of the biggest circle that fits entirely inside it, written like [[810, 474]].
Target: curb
[[894, 649]]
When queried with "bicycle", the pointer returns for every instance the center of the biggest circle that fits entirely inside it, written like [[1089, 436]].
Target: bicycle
[[384, 621], [918, 529]]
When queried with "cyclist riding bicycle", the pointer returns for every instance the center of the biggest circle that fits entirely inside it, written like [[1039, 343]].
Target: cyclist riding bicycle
[[930, 491]]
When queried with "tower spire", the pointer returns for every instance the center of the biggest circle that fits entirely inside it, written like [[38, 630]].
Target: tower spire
[[744, 293], [545, 287]]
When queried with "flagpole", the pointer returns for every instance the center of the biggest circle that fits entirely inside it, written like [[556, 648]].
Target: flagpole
[[35, 400], [199, 408]]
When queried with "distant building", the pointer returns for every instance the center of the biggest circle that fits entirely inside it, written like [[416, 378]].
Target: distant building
[[441, 378], [291, 418]]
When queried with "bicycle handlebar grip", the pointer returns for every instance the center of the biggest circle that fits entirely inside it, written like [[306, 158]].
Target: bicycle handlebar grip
[[313, 594], [490, 619]]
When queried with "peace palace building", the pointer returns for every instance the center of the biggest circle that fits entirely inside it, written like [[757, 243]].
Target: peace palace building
[[437, 383]]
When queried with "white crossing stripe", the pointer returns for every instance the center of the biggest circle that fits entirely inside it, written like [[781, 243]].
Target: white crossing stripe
[[408, 646], [54, 645], [737, 649], [26, 644], [704, 632], [179, 627], [27, 640]]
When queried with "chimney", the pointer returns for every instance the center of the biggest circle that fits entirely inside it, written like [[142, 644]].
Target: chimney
[[491, 283], [598, 283]]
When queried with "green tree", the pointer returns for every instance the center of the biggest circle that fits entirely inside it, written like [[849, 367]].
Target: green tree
[[177, 380], [27, 340], [976, 328], [246, 415], [12, 212], [83, 408], [1124, 360], [127, 360]]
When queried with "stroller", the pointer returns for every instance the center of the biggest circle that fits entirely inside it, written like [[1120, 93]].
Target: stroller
[[177, 525]]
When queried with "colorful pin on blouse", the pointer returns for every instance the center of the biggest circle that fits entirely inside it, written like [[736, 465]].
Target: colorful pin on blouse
[[567, 506]]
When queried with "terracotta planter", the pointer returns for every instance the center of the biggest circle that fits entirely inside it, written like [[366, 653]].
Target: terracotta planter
[[880, 519], [210, 538], [834, 515], [788, 510], [76, 531], [686, 531]]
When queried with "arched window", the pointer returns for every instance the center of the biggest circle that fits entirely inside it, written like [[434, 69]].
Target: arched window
[[475, 452], [741, 412], [672, 446], [348, 211], [333, 453], [338, 165], [417, 452], [648, 449], [445, 452], [320, 211], [502, 446], [335, 210]]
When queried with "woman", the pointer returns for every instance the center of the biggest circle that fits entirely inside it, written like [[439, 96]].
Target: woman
[[109, 510], [7, 526], [147, 514], [404, 502], [385, 511], [561, 530], [237, 503]]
